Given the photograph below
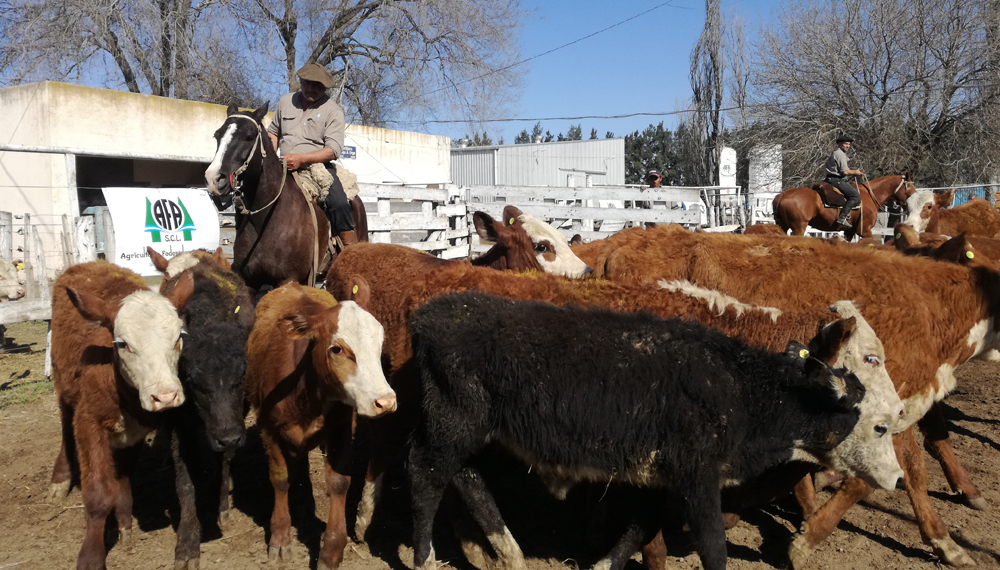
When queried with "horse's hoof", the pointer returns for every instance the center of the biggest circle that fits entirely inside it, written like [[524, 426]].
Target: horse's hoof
[[58, 491], [951, 553], [279, 553], [192, 564], [978, 503]]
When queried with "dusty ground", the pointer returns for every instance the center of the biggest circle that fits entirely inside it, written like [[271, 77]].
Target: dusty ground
[[38, 534]]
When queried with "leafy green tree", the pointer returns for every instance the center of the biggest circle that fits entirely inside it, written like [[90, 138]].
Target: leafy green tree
[[593, 134], [548, 137], [575, 133], [522, 137]]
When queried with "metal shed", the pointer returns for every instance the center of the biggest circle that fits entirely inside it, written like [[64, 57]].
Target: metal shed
[[597, 162]]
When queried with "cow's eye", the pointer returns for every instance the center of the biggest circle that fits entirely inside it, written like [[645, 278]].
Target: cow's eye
[[881, 429], [336, 349], [541, 248], [122, 345], [872, 359]]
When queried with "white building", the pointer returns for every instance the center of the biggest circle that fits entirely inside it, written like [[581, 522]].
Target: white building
[[597, 162], [96, 138]]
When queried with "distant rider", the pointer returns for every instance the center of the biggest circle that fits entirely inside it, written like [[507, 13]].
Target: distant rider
[[837, 172]]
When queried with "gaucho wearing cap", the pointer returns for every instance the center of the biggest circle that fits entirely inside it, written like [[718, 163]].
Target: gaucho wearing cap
[[308, 128], [837, 172]]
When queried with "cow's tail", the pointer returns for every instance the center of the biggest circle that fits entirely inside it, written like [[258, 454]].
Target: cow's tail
[[776, 214]]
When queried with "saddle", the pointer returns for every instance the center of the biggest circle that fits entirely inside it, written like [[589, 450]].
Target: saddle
[[315, 181], [831, 196]]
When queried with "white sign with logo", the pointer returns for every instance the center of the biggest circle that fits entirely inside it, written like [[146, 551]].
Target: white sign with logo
[[727, 169], [170, 220]]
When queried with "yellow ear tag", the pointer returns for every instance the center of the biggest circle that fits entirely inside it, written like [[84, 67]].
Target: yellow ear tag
[[804, 353], [511, 222], [237, 309], [20, 267], [969, 254], [899, 236], [354, 291]]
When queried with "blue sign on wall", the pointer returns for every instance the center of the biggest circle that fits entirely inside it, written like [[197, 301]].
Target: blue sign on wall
[[349, 152]]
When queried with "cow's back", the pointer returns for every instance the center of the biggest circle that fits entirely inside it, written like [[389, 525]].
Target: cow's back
[[974, 218]]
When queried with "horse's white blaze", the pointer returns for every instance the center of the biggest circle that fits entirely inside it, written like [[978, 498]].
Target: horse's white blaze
[[212, 173], [148, 323], [716, 300], [360, 331], [915, 205], [566, 262]]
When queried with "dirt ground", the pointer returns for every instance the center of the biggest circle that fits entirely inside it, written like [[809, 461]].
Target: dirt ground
[[554, 535]]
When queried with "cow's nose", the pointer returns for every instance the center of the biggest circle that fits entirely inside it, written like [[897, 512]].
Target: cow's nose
[[230, 439], [588, 271], [166, 400], [384, 405]]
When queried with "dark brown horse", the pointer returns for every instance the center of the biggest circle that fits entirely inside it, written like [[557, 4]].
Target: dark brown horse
[[280, 236], [796, 208]]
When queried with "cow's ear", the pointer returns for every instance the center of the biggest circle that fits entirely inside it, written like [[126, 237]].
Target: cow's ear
[[827, 343], [159, 262], [954, 250], [945, 200], [510, 215], [577, 239], [261, 111], [93, 308], [296, 326], [796, 350], [182, 290], [485, 227], [361, 292], [232, 109], [220, 259], [845, 388]]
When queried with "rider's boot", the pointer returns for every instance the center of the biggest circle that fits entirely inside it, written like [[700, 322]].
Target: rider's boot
[[842, 221], [348, 238]]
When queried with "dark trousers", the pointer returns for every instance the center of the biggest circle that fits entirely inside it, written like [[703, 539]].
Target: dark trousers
[[337, 206], [850, 193]]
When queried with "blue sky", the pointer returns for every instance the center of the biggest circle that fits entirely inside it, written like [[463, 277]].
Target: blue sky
[[640, 66]]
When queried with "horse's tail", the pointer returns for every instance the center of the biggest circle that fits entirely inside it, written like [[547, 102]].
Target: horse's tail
[[776, 213]]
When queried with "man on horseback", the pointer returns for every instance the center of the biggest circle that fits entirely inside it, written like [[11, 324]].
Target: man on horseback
[[308, 128], [837, 172]]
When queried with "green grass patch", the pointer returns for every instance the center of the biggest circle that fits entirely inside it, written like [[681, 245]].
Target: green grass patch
[[24, 393]]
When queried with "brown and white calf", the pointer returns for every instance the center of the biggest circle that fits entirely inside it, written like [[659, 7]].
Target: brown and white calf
[[313, 362], [930, 212], [115, 349]]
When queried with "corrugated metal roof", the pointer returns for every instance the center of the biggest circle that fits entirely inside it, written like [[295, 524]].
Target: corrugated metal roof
[[543, 164]]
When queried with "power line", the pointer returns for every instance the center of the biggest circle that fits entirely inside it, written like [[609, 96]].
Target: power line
[[555, 49]]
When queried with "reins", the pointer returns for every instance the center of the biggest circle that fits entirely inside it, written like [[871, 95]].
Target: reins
[[234, 182]]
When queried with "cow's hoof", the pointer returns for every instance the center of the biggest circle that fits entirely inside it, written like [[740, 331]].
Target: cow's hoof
[[320, 565], [223, 517], [361, 527], [475, 555], [978, 503], [279, 553], [799, 552], [951, 553], [192, 564], [125, 537], [58, 491]]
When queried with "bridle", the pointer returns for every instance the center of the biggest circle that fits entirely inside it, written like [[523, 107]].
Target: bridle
[[237, 185]]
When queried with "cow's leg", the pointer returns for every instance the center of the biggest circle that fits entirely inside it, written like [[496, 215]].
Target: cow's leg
[[280, 545], [188, 550], [816, 528], [654, 553], [642, 529], [932, 528], [100, 490], [935, 432], [703, 506], [480, 502], [125, 460], [390, 435], [62, 473], [339, 425], [805, 494], [431, 469]]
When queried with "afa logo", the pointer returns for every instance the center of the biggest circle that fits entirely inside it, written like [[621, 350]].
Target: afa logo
[[165, 218]]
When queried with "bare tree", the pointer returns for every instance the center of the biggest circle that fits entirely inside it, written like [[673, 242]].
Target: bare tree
[[400, 58], [911, 80], [707, 85]]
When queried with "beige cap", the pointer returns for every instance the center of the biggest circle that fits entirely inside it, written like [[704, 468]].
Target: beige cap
[[315, 72]]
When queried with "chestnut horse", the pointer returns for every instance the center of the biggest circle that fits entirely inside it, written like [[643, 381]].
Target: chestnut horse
[[276, 241], [796, 208]]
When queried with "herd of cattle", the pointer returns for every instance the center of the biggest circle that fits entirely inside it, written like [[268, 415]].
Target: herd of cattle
[[710, 372]]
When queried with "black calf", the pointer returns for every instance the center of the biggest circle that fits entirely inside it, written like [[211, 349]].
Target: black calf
[[593, 395]]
